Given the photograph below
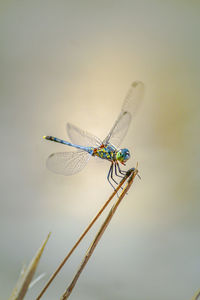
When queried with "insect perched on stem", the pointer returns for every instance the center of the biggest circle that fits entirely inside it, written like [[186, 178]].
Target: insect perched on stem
[[88, 145]]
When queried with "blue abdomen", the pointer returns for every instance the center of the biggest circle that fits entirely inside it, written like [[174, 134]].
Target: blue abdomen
[[57, 140]]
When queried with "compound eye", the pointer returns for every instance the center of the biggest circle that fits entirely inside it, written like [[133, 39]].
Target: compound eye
[[127, 155]]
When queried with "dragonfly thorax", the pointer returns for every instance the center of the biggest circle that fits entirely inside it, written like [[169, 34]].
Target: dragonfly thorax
[[105, 152], [123, 155]]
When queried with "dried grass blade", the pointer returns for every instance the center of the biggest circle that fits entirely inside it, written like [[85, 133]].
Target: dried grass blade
[[26, 274]]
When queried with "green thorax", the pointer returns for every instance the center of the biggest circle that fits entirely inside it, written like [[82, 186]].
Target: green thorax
[[106, 152]]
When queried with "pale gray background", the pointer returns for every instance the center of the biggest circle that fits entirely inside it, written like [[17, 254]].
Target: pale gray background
[[74, 61]]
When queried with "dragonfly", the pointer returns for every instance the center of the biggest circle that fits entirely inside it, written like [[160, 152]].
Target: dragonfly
[[88, 145]]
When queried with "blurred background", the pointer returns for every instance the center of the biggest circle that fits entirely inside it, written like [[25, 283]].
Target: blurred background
[[73, 61]]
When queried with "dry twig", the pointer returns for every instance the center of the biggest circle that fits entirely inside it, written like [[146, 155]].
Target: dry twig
[[132, 173], [82, 236]]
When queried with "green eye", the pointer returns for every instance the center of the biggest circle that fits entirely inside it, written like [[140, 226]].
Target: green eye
[[123, 155], [119, 155]]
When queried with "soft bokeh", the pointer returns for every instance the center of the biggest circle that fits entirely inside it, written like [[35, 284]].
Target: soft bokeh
[[74, 61]]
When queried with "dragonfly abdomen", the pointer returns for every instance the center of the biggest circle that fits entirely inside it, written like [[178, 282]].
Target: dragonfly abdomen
[[57, 140], [54, 139]]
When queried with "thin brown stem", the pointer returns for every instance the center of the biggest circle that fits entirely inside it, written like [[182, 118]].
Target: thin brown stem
[[81, 237], [89, 252]]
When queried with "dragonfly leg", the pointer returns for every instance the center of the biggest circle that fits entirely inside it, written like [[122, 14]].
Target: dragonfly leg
[[116, 173], [109, 175], [120, 171]]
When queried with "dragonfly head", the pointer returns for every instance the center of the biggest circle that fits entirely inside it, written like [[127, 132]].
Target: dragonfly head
[[123, 155]]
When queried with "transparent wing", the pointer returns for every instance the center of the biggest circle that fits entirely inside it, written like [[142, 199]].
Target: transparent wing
[[129, 108], [81, 137], [68, 163], [119, 131]]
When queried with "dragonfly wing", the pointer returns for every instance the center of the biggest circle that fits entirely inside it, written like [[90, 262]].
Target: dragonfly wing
[[81, 137], [119, 130], [68, 163], [129, 108]]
